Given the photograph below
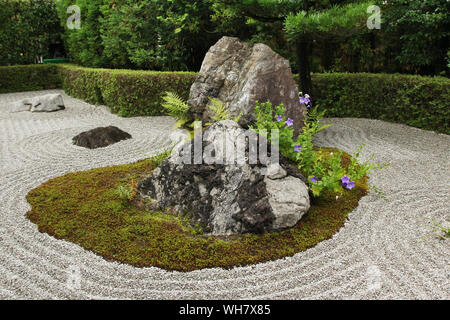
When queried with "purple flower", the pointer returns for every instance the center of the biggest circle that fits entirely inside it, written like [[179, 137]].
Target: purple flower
[[345, 179], [346, 183], [350, 185], [298, 148], [314, 179], [280, 118], [305, 100], [289, 122]]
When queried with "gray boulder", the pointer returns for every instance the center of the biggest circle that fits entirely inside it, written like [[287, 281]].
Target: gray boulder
[[239, 74], [227, 197], [20, 106], [45, 103]]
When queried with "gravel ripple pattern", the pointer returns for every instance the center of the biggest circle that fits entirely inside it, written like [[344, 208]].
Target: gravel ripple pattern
[[383, 252]]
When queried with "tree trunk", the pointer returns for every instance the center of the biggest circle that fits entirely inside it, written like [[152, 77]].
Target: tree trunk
[[303, 48]]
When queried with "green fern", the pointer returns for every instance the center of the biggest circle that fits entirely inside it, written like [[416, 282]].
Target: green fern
[[176, 107], [220, 111]]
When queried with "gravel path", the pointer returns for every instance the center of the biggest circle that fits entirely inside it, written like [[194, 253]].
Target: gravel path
[[381, 252]]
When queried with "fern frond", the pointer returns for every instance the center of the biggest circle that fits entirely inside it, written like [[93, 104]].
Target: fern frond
[[220, 111], [175, 106]]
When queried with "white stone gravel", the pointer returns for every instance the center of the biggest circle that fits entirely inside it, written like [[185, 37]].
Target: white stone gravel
[[383, 251]]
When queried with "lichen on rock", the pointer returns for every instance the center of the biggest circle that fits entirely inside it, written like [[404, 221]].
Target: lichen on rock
[[232, 194]]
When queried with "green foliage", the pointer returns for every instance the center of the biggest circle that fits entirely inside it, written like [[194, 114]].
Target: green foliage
[[176, 107], [324, 171], [438, 230], [265, 123], [125, 92], [83, 45], [140, 34], [414, 35], [28, 28], [127, 193], [84, 208], [336, 21], [358, 170], [29, 78], [220, 111], [417, 33], [176, 34], [420, 102], [307, 158]]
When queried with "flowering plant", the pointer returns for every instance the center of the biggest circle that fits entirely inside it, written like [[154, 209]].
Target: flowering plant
[[268, 119], [324, 171]]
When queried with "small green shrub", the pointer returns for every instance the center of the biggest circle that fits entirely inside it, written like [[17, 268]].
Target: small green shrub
[[127, 193], [323, 171], [265, 123]]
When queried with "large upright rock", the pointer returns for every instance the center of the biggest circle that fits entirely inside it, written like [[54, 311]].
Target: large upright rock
[[224, 196], [239, 74]]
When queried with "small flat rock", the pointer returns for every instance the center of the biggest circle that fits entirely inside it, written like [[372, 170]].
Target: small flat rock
[[100, 137], [45, 103]]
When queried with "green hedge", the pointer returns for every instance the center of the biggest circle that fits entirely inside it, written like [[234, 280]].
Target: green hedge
[[421, 102], [29, 78], [126, 92]]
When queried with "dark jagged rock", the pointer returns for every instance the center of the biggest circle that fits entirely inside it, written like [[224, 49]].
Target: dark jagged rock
[[226, 197], [100, 137]]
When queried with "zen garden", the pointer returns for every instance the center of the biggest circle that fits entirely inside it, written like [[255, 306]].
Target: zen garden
[[224, 150]]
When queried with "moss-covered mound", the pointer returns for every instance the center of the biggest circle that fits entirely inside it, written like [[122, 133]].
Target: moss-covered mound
[[85, 208]]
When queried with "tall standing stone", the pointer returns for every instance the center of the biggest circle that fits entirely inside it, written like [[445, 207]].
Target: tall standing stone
[[239, 74]]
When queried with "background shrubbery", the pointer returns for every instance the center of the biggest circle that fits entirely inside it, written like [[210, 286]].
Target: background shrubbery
[[422, 102], [413, 100], [140, 34], [29, 29], [175, 35], [29, 78], [126, 92]]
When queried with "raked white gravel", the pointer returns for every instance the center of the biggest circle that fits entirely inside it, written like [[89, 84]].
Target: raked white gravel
[[383, 252]]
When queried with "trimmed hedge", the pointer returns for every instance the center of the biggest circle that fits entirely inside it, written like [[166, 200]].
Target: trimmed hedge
[[29, 78], [126, 92], [422, 102]]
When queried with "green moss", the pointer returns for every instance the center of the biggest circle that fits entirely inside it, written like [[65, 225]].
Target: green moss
[[84, 208]]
